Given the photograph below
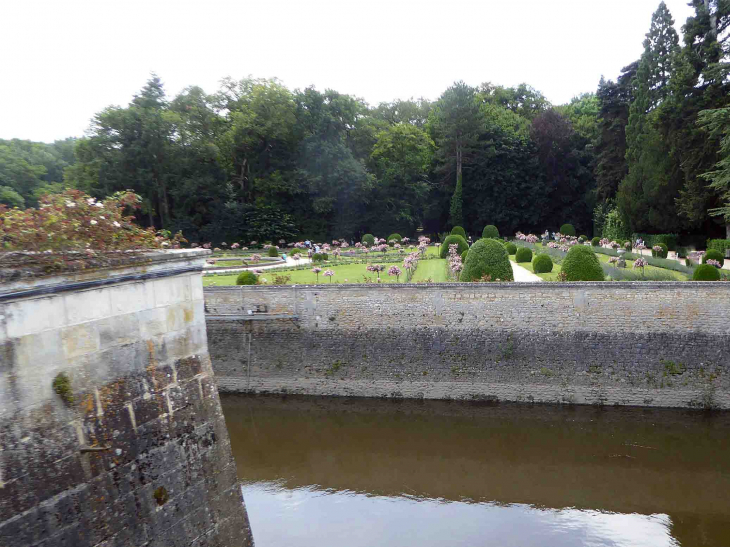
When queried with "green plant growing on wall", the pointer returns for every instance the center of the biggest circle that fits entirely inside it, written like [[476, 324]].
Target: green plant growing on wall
[[62, 386]]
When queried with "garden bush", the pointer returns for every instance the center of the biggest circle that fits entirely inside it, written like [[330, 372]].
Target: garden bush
[[458, 231], [490, 231], [511, 248], [523, 254], [542, 264], [662, 253], [487, 257], [596, 241], [368, 239], [396, 237], [682, 252], [463, 255], [567, 230], [714, 254], [246, 278], [670, 240], [582, 264], [319, 257], [450, 240], [273, 251], [583, 238], [706, 272], [721, 245], [296, 251]]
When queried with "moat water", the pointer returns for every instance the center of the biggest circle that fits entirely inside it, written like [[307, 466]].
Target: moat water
[[356, 473]]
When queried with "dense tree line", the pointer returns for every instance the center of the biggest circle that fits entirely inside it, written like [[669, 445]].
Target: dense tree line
[[255, 160]]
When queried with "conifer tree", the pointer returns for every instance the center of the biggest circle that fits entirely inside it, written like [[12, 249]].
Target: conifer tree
[[455, 212]]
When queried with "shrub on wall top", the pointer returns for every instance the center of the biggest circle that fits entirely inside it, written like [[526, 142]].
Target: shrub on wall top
[[490, 231], [581, 264], [511, 248], [567, 230], [487, 257], [368, 239], [706, 272], [450, 240], [246, 278], [542, 263], [714, 254], [523, 254], [458, 231]]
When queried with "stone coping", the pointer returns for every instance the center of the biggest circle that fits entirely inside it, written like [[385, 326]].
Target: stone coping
[[614, 285]]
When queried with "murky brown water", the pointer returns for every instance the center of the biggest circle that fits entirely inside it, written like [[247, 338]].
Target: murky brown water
[[345, 472]]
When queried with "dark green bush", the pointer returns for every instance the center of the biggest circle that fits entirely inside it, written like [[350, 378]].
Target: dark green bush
[[450, 240], [246, 278], [490, 231], [721, 245], [662, 253], [368, 239], [670, 240], [273, 251], [463, 255], [682, 252], [583, 239], [542, 264], [296, 251], [487, 257], [396, 237], [706, 272], [596, 241], [523, 254], [511, 248], [582, 264], [714, 254], [319, 257], [567, 230], [458, 231]]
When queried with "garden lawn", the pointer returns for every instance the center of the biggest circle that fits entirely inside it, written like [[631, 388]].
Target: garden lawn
[[552, 276], [679, 276], [433, 269], [349, 273]]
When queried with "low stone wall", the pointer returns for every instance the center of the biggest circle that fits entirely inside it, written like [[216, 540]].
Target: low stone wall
[[111, 431], [647, 344]]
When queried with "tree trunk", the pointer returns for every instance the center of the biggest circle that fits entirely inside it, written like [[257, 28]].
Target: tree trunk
[[458, 161]]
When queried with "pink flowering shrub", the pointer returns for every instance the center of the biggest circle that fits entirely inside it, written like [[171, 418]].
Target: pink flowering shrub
[[613, 260], [640, 263], [329, 273], [255, 258], [713, 262], [396, 271], [377, 268], [531, 238], [235, 245], [316, 271]]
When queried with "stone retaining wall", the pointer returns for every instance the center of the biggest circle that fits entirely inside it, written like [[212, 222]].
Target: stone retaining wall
[[111, 431], [648, 344]]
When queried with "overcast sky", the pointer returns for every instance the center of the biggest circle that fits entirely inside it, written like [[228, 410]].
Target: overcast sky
[[64, 60]]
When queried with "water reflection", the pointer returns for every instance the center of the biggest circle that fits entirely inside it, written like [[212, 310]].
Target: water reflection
[[353, 472]]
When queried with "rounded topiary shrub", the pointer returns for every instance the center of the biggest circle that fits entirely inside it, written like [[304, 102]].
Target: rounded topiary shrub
[[463, 255], [542, 264], [296, 251], [319, 257], [523, 254], [393, 239], [511, 248], [595, 241], [246, 278], [662, 253], [273, 251], [490, 231], [706, 272], [583, 238], [487, 257], [714, 254], [458, 231], [368, 239], [450, 240], [567, 230], [581, 264]]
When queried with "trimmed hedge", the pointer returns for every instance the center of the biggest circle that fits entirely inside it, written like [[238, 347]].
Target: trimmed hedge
[[319, 257], [487, 257], [670, 240], [721, 245], [583, 238], [706, 272], [368, 239], [464, 255], [246, 278], [714, 254], [596, 241], [296, 251], [490, 231], [582, 264], [542, 264], [450, 240], [273, 251], [663, 253], [523, 254], [511, 248], [391, 237], [567, 230], [458, 231]]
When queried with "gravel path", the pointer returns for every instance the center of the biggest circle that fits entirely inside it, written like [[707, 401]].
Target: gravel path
[[522, 275]]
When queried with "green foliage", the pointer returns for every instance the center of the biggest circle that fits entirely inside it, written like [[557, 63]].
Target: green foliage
[[542, 264], [490, 231], [487, 257], [368, 239], [567, 230], [596, 241], [273, 251], [670, 240], [246, 278], [450, 240], [614, 227], [582, 238], [11, 198], [706, 272], [511, 248], [581, 264], [456, 213], [721, 245], [319, 257], [660, 254], [464, 255], [714, 254], [523, 254], [62, 387], [296, 251], [458, 231], [393, 239]]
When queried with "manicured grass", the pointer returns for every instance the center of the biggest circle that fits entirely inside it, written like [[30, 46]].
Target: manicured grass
[[552, 276], [679, 276], [349, 273], [433, 269]]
